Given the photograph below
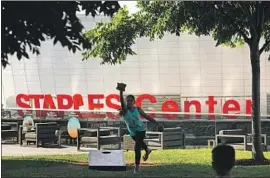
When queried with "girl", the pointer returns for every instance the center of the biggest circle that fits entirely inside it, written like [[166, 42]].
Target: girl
[[136, 127]]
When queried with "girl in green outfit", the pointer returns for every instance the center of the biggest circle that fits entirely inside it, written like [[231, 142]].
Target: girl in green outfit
[[136, 127]]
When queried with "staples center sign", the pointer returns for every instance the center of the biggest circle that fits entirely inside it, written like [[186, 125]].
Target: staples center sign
[[64, 101]]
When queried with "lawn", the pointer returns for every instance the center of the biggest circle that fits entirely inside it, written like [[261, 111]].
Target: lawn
[[169, 163]]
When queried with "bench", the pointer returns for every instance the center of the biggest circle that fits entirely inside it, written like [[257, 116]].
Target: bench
[[9, 130], [41, 133], [238, 139], [66, 138], [170, 138], [128, 143], [98, 137], [211, 143]]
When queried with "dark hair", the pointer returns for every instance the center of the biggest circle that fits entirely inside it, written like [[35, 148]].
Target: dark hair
[[131, 96], [223, 158]]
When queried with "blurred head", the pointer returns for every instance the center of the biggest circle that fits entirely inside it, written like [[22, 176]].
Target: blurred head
[[130, 99], [223, 159]]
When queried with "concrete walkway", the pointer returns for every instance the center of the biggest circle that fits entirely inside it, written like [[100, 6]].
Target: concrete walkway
[[17, 150]]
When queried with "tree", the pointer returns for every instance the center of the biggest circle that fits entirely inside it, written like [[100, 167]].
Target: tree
[[229, 23], [26, 24]]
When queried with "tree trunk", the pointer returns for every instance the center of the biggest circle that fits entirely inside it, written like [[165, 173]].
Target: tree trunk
[[257, 150]]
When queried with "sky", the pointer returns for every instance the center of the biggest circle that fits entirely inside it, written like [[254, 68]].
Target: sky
[[130, 4]]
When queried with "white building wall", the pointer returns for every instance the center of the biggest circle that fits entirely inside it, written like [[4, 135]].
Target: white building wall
[[186, 65]]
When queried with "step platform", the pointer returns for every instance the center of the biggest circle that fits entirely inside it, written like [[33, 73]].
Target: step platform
[[107, 160]]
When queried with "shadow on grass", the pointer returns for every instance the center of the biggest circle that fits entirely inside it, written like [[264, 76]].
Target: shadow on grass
[[251, 162], [53, 168], [84, 150]]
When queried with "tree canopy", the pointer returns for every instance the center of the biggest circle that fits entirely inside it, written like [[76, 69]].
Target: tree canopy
[[229, 23], [26, 23]]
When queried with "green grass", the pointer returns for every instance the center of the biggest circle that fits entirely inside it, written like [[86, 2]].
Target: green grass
[[169, 163]]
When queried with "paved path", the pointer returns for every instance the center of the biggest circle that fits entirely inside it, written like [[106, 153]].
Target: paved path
[[16, 150]]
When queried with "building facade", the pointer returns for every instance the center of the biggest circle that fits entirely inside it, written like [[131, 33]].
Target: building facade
[[188, 66]]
